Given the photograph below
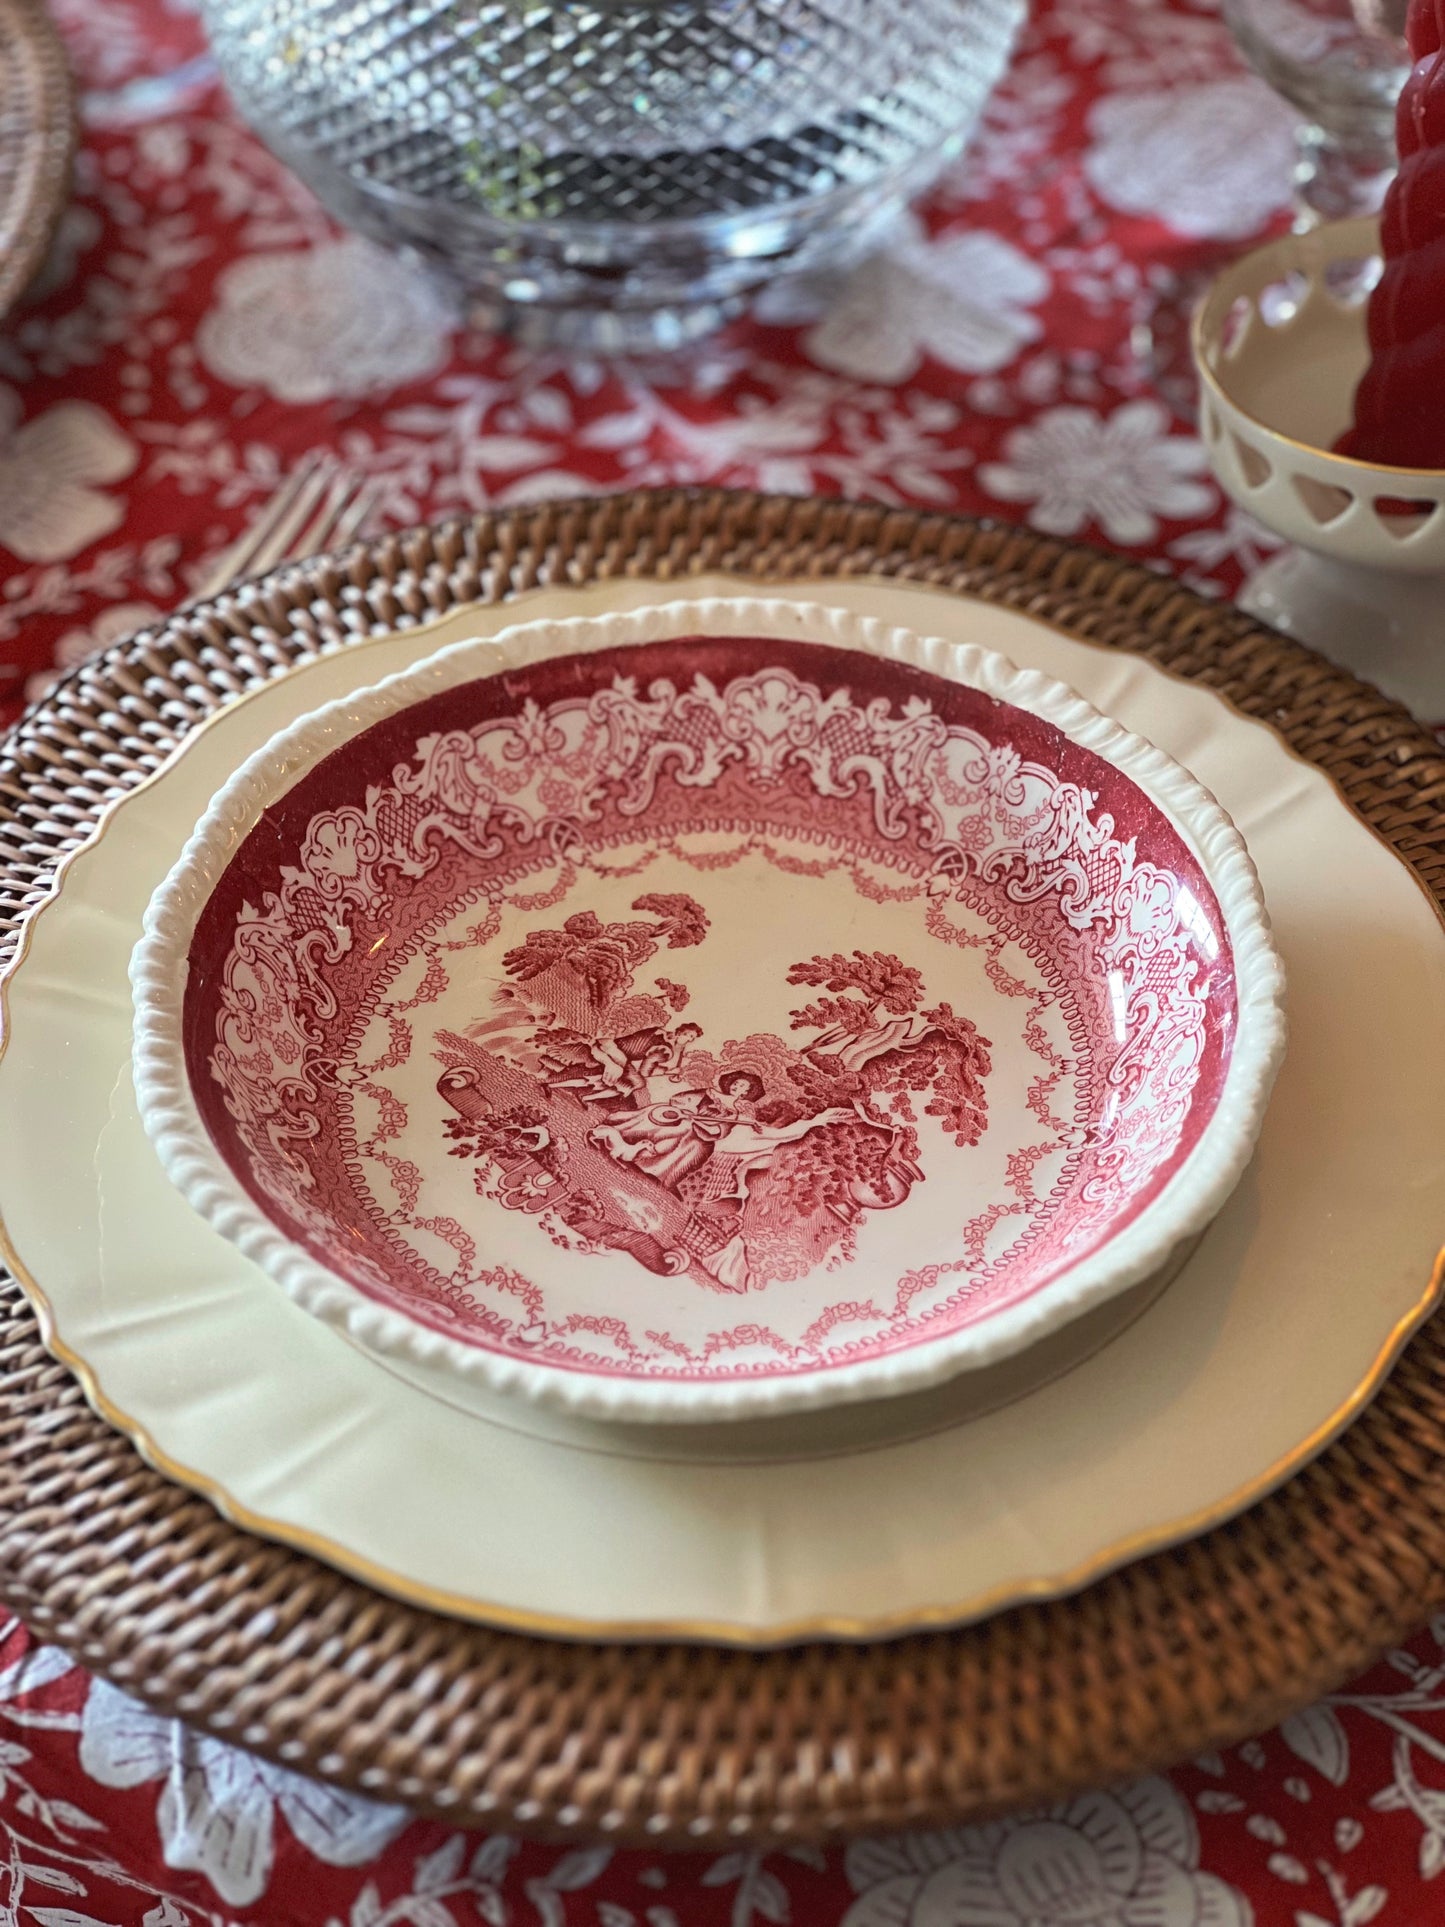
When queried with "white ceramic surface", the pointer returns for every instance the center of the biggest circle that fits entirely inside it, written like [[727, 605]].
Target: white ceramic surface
[[1280, 344], [1084, 1097], [1273, 1335]]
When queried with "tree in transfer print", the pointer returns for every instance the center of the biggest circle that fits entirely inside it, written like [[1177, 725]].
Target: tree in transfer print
[[605, 956], [583, 1102], [876, 1038]]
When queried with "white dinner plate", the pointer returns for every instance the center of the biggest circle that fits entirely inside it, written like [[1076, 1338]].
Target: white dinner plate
[[1277, 1330], [683, 1198]]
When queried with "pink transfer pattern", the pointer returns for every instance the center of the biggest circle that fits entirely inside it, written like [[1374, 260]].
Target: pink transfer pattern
[[1338, 1817], [849, 1003]]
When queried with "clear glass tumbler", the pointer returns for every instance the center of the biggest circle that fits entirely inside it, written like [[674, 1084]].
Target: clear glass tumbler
[[1342, 63], [614, 175]]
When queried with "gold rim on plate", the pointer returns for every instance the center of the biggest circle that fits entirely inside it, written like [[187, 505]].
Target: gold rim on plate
[[677, 1745], [823, 1626]]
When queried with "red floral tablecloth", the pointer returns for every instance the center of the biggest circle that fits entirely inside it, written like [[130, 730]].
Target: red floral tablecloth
[[200, 324]]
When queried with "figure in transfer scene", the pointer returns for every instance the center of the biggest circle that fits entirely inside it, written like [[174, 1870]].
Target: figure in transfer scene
[[583, 1098]]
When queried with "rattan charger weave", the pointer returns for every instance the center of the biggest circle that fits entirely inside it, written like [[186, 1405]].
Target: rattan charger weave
[[673, 1744], [37, 142]]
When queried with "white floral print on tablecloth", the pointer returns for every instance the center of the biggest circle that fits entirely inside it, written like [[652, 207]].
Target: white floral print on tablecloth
[[339, 318], [1123, 1859], [76, 233], [217, 1808], [1124, 472], [966, 299], [52, 504], [1213, 161]]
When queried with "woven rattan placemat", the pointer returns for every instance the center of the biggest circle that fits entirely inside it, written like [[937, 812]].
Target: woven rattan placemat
[[37, 142], [674, 1744]]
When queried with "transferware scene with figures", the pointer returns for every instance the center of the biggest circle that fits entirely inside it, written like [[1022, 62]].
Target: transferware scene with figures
[[771, 1008], [587, 1100]]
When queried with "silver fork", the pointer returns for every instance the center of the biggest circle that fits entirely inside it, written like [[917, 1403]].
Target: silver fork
[[321, 504]]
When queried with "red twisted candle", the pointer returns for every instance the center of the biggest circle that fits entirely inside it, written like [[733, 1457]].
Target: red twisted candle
[[1400, 402]]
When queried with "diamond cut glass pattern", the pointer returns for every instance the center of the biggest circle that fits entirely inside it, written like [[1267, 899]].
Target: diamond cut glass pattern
[[627, 172]]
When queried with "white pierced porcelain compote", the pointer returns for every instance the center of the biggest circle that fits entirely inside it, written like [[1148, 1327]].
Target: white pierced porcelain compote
[[1280, 344]]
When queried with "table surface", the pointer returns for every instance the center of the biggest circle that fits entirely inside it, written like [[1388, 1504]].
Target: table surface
[[200, 325]]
